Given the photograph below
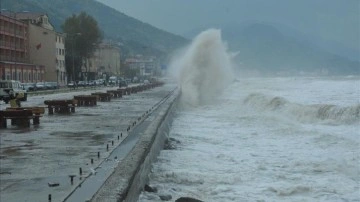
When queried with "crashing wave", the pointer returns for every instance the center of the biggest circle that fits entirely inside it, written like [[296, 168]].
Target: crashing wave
[[204, 69], [305, 113]]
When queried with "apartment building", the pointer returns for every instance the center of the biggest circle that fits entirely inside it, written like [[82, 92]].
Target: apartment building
[[61, 76], [46, 46], [106, 60], [145, 66], [14, 51]]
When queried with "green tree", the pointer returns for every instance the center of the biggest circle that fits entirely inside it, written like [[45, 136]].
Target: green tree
[[82, 37]]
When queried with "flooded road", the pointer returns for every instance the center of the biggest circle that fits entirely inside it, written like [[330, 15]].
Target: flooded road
[[32, 158]]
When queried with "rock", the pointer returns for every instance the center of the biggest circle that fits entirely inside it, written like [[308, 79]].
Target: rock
[[165, 197], [148, 188], [174, 140], [170, 143], [187, 199]]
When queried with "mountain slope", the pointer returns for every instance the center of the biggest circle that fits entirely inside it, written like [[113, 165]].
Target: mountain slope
[[136, 36], [264, 48]]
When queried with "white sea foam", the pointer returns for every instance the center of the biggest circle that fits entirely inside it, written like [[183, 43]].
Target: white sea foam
[[264, 140], [326, 113], [234, 151], [203, 69]]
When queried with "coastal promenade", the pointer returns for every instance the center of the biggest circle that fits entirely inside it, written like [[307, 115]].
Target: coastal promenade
[[53, 160]]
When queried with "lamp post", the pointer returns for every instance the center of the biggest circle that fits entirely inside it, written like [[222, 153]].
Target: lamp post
[[73, 61]]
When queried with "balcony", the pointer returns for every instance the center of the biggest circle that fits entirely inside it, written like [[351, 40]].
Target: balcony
[[11, 32], [12, 59], [10, 46]]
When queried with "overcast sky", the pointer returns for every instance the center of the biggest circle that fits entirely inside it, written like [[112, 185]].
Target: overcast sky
[[334, 20]]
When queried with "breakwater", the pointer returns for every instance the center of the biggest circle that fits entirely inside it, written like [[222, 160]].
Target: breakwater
[[131, 174]]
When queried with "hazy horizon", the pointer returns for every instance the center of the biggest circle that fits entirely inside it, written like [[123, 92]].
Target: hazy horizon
[[334, 22]]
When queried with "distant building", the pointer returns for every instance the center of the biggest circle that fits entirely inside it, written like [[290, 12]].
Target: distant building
[[46, 46], [61, 76], [145, 66], [106, 60], [15, 62]]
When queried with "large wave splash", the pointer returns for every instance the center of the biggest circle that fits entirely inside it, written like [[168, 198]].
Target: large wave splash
[[326, 113], [204, 69]]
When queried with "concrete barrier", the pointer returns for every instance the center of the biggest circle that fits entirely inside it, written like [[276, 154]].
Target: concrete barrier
[[130, 176]]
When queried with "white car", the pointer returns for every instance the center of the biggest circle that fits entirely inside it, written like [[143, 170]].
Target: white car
[[10, 89]]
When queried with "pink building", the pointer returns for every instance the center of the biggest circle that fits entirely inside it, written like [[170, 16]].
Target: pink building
[[14, 51]]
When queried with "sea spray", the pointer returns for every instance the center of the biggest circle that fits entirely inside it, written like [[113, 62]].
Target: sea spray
[[204, 69]]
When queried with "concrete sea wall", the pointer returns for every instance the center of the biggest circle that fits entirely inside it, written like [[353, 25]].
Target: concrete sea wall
[[130, 176]]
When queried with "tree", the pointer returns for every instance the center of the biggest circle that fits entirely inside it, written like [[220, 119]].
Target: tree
[[82, 37]]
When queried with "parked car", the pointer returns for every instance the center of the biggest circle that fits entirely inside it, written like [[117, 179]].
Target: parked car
[[10, 89], [92, 83], [40, 86], [55, 85], [135, 79], [99, 82], [112, 80], [71, 84], [122, 83], [29, 86], [82, 83], [51, 85]]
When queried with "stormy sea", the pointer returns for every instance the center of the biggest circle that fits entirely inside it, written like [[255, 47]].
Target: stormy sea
[[237, 138]]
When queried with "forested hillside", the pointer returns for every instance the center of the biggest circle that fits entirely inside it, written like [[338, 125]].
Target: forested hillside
[[134, 35]]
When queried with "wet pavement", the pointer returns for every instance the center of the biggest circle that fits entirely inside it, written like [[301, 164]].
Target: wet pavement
[[32, 158]]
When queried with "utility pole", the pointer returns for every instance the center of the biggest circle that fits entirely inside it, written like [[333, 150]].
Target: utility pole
[[73, 61]]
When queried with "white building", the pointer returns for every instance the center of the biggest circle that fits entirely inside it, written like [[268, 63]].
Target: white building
[[60, 59]]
